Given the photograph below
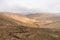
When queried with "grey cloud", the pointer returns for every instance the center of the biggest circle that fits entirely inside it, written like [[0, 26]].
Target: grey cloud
[[30, 6]]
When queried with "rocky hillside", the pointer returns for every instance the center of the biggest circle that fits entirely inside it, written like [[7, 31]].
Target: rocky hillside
[[19, 19], [14, 27]]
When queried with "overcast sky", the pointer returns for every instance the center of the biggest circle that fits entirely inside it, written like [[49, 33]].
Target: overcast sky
[[51, 6]]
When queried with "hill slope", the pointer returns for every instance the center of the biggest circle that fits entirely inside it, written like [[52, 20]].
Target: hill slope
[[19, 19], [45, 17], [11, 29]]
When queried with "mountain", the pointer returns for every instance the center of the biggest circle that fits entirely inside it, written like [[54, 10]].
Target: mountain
[[47, 20], [19, 19], [45, 17], [15, 26]]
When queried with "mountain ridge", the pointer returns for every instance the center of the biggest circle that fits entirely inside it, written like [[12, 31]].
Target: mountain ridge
[[19, 19]]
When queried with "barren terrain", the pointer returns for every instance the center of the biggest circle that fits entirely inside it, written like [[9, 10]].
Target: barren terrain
[[19, 27]]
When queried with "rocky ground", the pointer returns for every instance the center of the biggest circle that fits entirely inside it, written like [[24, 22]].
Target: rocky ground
[[10, 30], [26, 33]]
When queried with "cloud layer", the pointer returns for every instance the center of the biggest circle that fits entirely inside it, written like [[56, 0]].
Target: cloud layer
[[52, 6]]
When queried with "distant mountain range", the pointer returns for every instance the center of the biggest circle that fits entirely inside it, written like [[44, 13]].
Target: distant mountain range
[[44, 16]]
